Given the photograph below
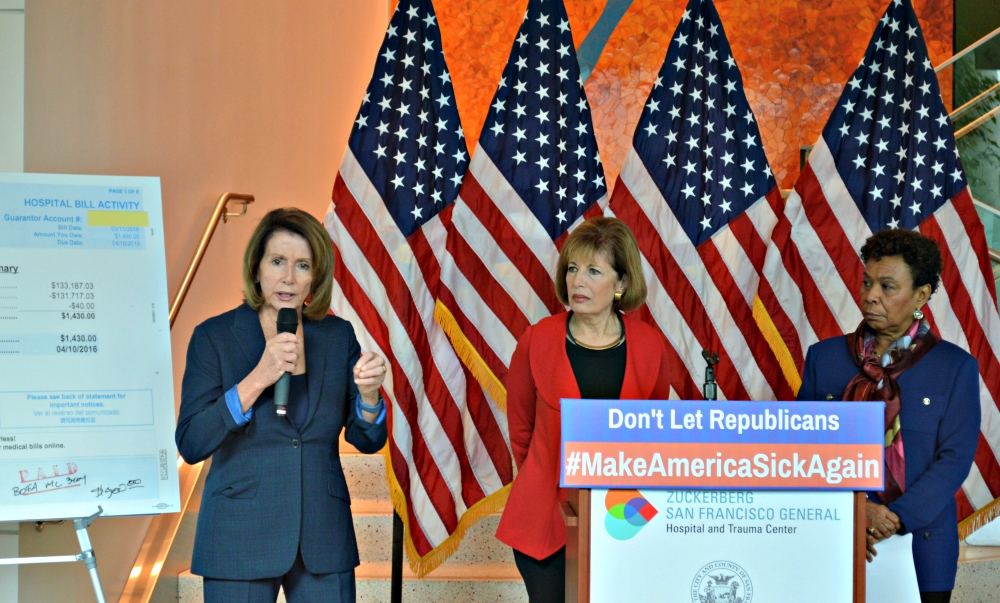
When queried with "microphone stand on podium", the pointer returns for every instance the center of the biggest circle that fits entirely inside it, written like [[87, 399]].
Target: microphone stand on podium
[[710, 389]]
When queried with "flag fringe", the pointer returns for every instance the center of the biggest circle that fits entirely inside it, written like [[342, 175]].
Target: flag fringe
[[978, 519], [777, 343], [470, 357], [421, 566]]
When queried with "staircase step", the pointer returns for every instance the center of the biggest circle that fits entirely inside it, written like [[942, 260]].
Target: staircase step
[[485, 583], [372, 512], [479, 584], [190, 589], [455, 572], [444, 591], [365, 474], [480, 546], [978, 567]]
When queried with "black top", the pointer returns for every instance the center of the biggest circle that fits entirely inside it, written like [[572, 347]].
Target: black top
[[599, 373], [298, 400]]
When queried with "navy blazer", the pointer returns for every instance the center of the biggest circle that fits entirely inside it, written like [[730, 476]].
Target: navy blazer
[[940, 425], [272, 490]]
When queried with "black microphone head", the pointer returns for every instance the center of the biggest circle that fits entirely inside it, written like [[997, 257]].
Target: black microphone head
[[288, 320]]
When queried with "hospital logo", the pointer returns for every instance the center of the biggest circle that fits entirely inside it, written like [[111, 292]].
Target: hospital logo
[[721, 582], [628, 512]]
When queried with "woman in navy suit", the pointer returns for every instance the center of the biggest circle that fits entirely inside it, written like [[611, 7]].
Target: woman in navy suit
[[931, 391], [276, 509]]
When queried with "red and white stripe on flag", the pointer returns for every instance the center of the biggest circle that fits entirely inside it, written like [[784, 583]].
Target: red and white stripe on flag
[[447, 451], [702, 298], [887, 159], [535, 174], [448, 458], [697, 191], [497, 271]]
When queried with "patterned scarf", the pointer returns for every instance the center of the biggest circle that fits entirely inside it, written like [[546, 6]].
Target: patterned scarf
[[877, 381]]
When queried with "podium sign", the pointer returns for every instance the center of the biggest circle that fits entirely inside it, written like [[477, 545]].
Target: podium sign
[[725, 502], [712, 444], [724, 546]]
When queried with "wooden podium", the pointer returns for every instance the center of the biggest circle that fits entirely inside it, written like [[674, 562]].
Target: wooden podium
[[576, 514]]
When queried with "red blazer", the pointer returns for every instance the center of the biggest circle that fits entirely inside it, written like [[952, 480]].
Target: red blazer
[[540, 374]]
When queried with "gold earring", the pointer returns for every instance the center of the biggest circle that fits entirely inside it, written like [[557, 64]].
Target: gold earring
[[618, 296]]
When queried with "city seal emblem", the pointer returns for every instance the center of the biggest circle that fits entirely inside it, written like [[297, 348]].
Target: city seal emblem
[[721, 582]]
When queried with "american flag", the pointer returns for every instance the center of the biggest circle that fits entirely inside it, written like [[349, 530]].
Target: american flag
[[536, 173], [887, 159], [697, 191], [448, 458]]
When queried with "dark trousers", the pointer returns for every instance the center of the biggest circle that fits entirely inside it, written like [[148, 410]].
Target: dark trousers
[[943, 596], [300, 586], [544, 580]]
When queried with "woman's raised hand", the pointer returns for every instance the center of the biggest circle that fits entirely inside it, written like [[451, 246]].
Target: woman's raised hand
[[369, 373]]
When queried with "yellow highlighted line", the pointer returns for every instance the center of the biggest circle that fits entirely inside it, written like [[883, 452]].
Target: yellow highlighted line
[[96, 217]]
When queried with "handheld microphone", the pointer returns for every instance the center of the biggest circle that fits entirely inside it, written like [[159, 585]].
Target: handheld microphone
[[288, 322]]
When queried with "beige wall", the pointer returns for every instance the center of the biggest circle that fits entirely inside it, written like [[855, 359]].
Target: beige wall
[[11, 85], [211, 96], [11, 160]]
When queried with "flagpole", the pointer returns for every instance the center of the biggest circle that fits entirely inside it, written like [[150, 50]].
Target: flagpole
[[396, 586]]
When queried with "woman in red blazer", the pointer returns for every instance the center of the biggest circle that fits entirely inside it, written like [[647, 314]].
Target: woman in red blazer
[[590, 352]]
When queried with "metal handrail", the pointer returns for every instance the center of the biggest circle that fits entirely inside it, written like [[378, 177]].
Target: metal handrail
[[995, 256], [982, 119], [986, 208], [206, 237], [957, 113], [159, 540], [972, 104], [163, 528], [968, 49]]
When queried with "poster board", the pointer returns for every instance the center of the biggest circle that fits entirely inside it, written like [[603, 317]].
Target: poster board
[[86, 382]]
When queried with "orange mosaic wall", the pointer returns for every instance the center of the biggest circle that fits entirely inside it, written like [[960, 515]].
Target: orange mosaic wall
[[795, 57]]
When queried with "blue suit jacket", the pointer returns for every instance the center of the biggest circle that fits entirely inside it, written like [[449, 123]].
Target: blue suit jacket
[[939, 441], [271, 489]]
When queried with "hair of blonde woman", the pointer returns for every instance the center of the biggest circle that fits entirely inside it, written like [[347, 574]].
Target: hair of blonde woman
[[300, 223], [612, 239]]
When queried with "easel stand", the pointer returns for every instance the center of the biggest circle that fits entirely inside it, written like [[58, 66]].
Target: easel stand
[[86, 554]]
